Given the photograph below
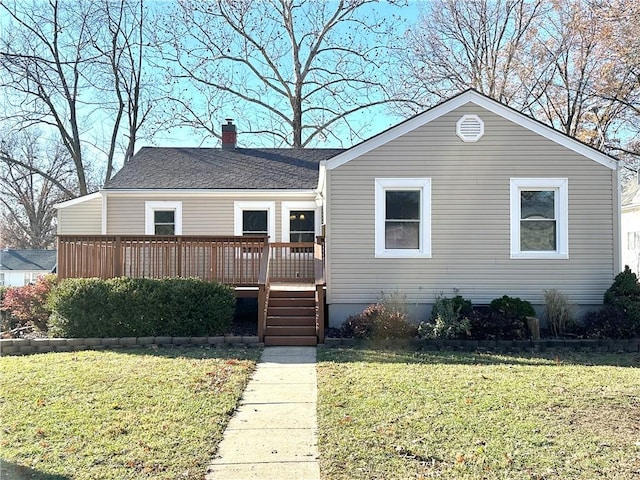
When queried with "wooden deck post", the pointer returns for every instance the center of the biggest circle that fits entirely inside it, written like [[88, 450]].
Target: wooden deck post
[[117, 257], [263, 290]]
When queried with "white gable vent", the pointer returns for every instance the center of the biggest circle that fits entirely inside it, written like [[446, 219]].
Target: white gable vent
[[470, 128]]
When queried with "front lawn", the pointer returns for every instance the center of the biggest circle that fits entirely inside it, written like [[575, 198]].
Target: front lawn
[[118, 414], [407, 415]]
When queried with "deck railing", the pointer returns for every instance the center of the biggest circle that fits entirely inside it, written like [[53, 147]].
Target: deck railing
[[292, 262], [237, 261], [231, 260]]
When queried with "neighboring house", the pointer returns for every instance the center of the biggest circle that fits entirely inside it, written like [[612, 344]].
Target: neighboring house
[[470, 197], [21, 267], [631, 227]]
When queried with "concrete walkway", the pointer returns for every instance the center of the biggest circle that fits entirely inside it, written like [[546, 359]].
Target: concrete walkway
[[273, 433]]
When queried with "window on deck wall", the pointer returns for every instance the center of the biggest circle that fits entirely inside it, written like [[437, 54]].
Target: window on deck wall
[[164, 222], [254, 222], [163, 218], [255, 218], [539, 218], [403, 217]]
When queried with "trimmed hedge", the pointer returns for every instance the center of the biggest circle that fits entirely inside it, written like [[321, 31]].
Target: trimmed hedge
[[139, 307]]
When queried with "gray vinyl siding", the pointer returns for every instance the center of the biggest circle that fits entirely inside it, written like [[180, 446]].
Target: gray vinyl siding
[[201, 215], [83, 218], [470, 218]]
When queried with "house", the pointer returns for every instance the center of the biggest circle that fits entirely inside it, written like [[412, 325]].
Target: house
[[631, 227], [470, 197], [21, 267]]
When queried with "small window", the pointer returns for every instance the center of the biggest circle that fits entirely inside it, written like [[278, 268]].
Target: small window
[[164, 222], [255, 218], [30, 277], [1, 279], [163, 218], [539, 218], [254, 222], [633, 240], [403, 217]]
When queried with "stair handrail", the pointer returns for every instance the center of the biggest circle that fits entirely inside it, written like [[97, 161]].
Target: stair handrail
[[318, 263], [263, 290]]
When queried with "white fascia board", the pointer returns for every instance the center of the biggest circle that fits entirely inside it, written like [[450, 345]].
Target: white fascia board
[[322, 173], [395, 132], [486, 103], [545, 131], [311, 193], [75, 201]]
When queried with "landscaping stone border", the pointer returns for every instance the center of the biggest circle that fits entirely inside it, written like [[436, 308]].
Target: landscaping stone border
[[24, 346], [498, 346]]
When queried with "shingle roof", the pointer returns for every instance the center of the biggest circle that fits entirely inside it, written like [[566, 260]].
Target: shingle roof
[[215, 168], [27, 260]]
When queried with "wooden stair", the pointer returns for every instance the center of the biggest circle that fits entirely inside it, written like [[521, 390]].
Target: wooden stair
[[291, 318]]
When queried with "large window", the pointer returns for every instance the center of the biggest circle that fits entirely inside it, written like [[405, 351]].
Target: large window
[[539, 218], [403, 217], [163, 218]]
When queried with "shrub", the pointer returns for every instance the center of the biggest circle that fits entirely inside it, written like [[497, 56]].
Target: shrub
[[123, 307], [386, 319], [506, 319], [6, 321], [27, 306], [559, 312], [608, 322], [625, 285], [620, 315], [449, 319]]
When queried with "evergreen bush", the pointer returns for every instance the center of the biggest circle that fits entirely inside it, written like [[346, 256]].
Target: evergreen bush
[[141, 307], [620, 315], [506, 319]]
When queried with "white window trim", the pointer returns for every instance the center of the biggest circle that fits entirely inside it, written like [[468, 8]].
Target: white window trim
[[270, 207], [151, 207], [561, 186], [383, 184], [286, 211]]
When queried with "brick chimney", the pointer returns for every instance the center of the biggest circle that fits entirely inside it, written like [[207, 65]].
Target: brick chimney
[[229, 135]]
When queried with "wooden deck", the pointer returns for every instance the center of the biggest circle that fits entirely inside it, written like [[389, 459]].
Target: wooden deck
[[252, 265]]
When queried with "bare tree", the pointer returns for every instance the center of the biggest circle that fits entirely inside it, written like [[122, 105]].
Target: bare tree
[[71, 66], [26, 197], [568, 95], [556, 61], [294, 69], [459, 45], [620, 82]]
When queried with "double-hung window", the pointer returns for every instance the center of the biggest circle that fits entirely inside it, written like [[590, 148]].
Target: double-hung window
[[254, 218], [403, 217], [539, 218], [254, 222], [163, 218]]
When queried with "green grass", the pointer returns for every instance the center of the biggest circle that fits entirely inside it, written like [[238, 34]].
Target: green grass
[[118, 414], [406, 415]]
